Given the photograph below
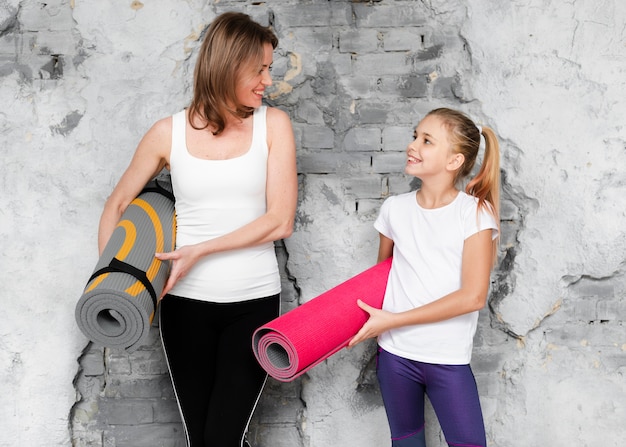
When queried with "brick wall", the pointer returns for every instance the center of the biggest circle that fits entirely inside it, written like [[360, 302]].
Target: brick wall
[[82, 80]]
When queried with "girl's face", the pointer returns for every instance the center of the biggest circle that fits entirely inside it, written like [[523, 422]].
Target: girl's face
[[430, 153], [253, 79]]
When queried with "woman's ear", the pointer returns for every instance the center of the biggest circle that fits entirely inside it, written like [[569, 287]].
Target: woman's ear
[[455, 162]]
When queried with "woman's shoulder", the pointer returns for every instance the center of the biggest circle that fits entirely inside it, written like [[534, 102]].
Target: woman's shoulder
[[159, 136], [279, 129], [163, 125], [276, 115]]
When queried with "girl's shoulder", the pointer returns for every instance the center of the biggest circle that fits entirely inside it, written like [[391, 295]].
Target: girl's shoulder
[[468, 206], [466, 200]]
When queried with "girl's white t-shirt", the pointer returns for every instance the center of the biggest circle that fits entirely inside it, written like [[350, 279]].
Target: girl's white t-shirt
[[427, 255], [215, 197]]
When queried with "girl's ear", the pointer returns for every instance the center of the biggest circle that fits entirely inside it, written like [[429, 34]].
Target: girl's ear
[[455, 162]]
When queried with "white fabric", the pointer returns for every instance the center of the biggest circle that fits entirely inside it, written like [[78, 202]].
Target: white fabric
[[215, 197], [427, 253]]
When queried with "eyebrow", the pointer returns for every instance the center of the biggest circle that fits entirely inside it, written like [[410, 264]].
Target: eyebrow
[[425, 134]]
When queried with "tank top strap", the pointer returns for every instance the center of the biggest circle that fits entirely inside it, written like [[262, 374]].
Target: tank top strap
[[259, 132], [179, 124]]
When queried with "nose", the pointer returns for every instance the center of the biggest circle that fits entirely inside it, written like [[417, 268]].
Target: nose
[[267, 78]]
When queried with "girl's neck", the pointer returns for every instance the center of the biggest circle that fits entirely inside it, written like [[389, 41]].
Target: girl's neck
[[431, 198]]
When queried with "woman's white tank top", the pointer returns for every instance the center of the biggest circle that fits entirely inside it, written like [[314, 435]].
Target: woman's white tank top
[[215, 197]]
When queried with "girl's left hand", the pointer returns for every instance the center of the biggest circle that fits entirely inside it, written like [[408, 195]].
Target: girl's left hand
[[379, 322]]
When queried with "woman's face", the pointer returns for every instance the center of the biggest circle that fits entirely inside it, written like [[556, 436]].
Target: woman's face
[[254, 78]]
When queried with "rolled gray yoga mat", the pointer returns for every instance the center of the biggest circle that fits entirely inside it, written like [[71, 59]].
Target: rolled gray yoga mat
[[119, 302]]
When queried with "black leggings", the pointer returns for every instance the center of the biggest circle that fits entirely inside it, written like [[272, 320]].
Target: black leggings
[[216, 378]]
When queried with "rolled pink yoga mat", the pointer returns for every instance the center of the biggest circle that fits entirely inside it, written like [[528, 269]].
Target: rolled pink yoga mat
[[295, 342]]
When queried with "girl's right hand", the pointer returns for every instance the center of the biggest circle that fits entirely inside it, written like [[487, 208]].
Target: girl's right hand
[[379, 321]]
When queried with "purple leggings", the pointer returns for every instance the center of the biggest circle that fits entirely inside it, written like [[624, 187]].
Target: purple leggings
[[451, 390]]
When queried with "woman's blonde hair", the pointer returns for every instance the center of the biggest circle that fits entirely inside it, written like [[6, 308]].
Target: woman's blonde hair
[[233, 41]]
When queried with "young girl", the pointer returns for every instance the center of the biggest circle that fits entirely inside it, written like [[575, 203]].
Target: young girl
[[443, 243], [233, 166]]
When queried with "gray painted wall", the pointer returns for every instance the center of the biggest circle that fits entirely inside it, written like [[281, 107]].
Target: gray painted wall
[[82, 80]]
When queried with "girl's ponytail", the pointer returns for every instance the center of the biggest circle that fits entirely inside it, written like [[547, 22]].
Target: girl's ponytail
[[486, 184]]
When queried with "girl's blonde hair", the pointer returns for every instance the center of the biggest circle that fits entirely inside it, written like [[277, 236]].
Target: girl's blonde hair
[[232, 41], [465, 138]]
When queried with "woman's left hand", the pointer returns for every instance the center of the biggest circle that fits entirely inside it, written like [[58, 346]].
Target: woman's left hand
[[182, 259], [378, 322]]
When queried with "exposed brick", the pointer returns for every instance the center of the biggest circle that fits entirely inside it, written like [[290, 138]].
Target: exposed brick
[[610, 310], [93, 362], [118, 363], [399, 184], [127, 411], [370, 112], [149, 362], [368, 206], [388, 162], [362, 139], [508, 210], [317, 137], [382, 64], [592, 288], [366, 187], [321, 163], [444, 87], [156, 387], [358, 41], [397, 138], [310, 112], [487, 363], [281, 436], [409, 86], [397, 15], [587, 336], [358, 86], [311, 40], [87, 438], [306, 15], [508, 234], [406, 39], [166, 411], [150, 435]]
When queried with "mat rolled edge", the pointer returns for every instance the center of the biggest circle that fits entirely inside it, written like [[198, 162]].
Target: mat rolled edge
[[278, 345], [120, 298]]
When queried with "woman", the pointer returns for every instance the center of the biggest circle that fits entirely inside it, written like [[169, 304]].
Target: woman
[[233, 168], [443, 241]]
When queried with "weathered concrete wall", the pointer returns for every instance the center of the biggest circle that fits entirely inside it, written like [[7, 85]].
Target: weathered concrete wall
[[82, 80]]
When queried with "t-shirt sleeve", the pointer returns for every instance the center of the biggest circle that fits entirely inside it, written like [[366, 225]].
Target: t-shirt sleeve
[[483, 221], [382, 221]]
